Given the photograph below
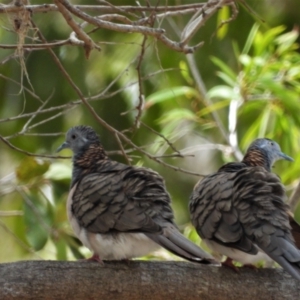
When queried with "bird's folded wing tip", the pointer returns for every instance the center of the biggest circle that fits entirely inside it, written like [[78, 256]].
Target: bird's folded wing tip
[[210, 261]]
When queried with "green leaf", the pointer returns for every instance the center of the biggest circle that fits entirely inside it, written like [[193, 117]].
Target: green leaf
[[74, 245], [264, 122], [61, 249], [31, 168], [245, 59], [176, 115], [288, 97], [287, 41], [213, 107], [227, 79], [263, 41], [223, 15], [236, 49], [191, 233], [59, 171], [37, 219], [184, 70], [224, 67], [170, 94], [250, 38], [251, 133], [221, 91]]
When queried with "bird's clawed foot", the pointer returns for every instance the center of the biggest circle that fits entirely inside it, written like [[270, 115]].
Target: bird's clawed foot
[[250, 266], [96, 258], [228, 263], [127, 261]]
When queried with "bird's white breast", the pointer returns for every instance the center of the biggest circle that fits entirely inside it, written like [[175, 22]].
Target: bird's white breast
[[115, 246]]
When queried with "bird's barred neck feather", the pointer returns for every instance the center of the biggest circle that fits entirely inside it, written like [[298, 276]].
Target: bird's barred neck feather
[[88, 161], [89, 156], [257, 158]]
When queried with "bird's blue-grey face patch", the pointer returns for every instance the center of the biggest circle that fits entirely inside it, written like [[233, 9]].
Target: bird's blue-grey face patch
[[78, 137], [271, 148]]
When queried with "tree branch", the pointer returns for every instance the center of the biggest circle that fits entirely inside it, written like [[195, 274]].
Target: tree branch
[[66, 9], [89, 45], [43, 8], [141, 280]]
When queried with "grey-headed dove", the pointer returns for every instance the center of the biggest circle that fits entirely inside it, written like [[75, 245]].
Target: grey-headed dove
[[120, 211], [240, 210]]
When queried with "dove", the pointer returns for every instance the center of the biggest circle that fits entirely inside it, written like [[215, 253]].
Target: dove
[[240, 212], [120, 211]]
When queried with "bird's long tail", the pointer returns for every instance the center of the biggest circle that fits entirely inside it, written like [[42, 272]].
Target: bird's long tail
[[285, 254], [172, 240]]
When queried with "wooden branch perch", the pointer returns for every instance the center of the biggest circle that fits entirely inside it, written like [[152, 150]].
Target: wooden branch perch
[[141, 280]]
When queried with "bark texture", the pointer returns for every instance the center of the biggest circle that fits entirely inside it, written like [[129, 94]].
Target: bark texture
[[141, 280]]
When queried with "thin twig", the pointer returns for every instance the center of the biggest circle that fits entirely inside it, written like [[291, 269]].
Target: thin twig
[[164, 138], [140, 105], [118, 9], [44, 46], [31, 93], [6, 142], [173, 155], [11, 213], [200, 17], [51, 118], [100, 96], [122, 149], [22, 133], [116, 17], [41, 134], [158, 33], [89, 45], [25, 127]]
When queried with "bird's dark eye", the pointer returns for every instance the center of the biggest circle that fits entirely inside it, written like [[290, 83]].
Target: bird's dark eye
[[73, 136], [271, 143]]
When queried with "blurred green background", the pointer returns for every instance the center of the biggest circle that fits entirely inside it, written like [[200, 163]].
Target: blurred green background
[[250, 69]]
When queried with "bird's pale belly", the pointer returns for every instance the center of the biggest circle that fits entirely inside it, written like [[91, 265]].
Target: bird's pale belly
[[118, 246], [115, 246]]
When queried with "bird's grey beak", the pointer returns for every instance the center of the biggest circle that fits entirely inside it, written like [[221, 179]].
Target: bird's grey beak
[[62, 146], [286, 157]]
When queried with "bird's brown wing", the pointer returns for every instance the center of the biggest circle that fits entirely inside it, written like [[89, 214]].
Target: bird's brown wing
[[132, 199], [243, 209], [117, 201], [214, 215]]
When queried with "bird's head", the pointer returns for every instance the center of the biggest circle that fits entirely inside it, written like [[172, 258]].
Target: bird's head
[[269, 149], [79, 138]]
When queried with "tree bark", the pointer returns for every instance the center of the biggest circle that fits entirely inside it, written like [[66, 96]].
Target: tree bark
[[141, 280]]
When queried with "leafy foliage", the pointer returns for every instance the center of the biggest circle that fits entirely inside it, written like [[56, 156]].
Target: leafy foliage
[[266, 86], [255, 94]]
